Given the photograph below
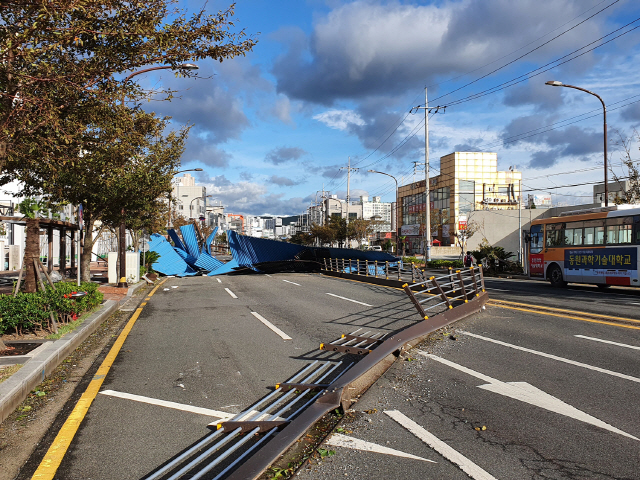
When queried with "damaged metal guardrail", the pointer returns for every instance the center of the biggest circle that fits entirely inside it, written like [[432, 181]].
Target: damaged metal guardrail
[[246, 446]]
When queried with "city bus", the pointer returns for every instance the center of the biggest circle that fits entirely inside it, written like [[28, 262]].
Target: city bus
[[597, 246]]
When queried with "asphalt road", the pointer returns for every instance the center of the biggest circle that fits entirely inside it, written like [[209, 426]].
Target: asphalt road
[[574, 416], [210, 354]]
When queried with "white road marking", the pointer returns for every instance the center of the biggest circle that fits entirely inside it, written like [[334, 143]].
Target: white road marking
[[554, 357], [498, 289], [268, 275], [283, 335], [292, 282], [339, 440], [609, 342], [219, 281], [233, 295], [466, 465], [256, 415], [164, 403], [348, 299], [529, 394]]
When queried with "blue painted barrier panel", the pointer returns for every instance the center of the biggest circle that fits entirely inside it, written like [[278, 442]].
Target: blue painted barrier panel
[[207, 242], [169, 262], [250, 250], [208, 263], [190, 240], [176, 239], [228, 267]]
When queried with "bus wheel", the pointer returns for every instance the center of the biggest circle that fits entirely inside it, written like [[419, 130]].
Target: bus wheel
[[555, 276]]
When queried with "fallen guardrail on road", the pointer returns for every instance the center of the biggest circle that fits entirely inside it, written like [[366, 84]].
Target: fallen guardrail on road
[[247, 445]]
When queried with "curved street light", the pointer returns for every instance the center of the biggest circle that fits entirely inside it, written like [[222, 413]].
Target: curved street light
[[396, 180], [122, 283], [204, 199], [555, 83]]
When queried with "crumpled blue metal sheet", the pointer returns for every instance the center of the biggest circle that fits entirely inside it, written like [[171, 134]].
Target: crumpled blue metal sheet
[[251, 250], [185, 256], [176, 239], [207, 243], [190, 240], [207, 262], [169, 262], [349, 253], [228, 267]]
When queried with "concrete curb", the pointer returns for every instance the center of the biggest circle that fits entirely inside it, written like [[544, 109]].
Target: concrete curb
[[15, 389]]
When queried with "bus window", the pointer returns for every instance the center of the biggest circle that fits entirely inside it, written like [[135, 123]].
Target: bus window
[[536, 243], [594, 232], [619, 230], [636, 229], [573, 233], [554, 235]]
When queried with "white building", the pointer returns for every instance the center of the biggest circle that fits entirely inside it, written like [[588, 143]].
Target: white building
[[189, 199], [377, 210]]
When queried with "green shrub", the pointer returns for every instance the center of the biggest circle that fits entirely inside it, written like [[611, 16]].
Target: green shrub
[[30, 311], [445, 264], [410, 259]]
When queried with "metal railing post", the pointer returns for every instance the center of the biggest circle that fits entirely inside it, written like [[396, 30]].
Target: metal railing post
[[375, 268], [464, 291], [366, 266], [358, 263], [413, 273], [441, 292], [386, 270]]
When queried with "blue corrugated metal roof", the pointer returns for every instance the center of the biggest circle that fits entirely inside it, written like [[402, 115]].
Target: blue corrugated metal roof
[[207, 243], [190, 240], [176, 239], [169, 262]]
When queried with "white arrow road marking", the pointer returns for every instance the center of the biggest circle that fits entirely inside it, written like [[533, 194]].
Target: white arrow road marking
[[233, 295], [554, 357], [338, 440], [283, 335], [164, 403], [466, 465], [608, 341], [529, 394], [292, 282], [349, 300]]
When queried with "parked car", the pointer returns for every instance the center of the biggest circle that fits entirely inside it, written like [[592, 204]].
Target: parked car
[[375, 248]]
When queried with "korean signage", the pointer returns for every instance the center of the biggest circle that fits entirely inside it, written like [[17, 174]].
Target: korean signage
[[608, 258], [602, 262], [411, 230], [462, 222], [536, 265], [416, 208]]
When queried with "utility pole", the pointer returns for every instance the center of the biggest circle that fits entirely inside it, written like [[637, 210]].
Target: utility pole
[[427, 201], [349, 170]]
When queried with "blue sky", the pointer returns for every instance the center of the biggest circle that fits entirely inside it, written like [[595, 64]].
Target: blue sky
[[335, 79]]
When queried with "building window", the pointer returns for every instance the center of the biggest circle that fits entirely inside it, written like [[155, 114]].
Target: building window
[[466, 196]]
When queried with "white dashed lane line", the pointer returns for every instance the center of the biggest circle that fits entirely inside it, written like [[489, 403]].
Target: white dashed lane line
[[350, 300], [294, 283], [609, 342], [270, 325], [233, 295]]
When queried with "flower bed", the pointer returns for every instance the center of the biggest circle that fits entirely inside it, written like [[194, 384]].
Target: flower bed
[[28, 312]]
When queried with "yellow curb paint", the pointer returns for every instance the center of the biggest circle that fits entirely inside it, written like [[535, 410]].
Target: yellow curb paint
[[54, 456], [143, 304], [565, 316]]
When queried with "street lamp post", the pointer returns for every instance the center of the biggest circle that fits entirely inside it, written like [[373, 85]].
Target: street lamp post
[[396, 180], [122, 234], [204, 199], [555, 83]]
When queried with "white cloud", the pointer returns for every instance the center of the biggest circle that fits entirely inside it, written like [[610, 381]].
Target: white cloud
[[340, 119]]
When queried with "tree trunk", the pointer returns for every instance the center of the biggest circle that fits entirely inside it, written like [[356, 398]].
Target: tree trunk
[[31, 251], [87, 247]]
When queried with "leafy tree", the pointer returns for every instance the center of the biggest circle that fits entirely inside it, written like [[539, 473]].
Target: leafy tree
[[632, 194], [360, 229], [325, 234], [301, 238], [60, 58], [59, 95]]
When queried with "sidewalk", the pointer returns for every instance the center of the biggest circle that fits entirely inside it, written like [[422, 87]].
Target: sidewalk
[[43, 360]]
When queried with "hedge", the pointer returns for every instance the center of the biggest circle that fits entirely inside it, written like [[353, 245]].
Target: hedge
[[27, 312]]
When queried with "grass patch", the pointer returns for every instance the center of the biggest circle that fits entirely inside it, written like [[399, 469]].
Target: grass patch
[[6, 372], [69, 327]]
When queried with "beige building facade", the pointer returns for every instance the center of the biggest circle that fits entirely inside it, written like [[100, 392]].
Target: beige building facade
[[468, 182]]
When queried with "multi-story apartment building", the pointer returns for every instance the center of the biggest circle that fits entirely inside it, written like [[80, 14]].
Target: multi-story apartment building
[[189, 199], [468, 181]]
